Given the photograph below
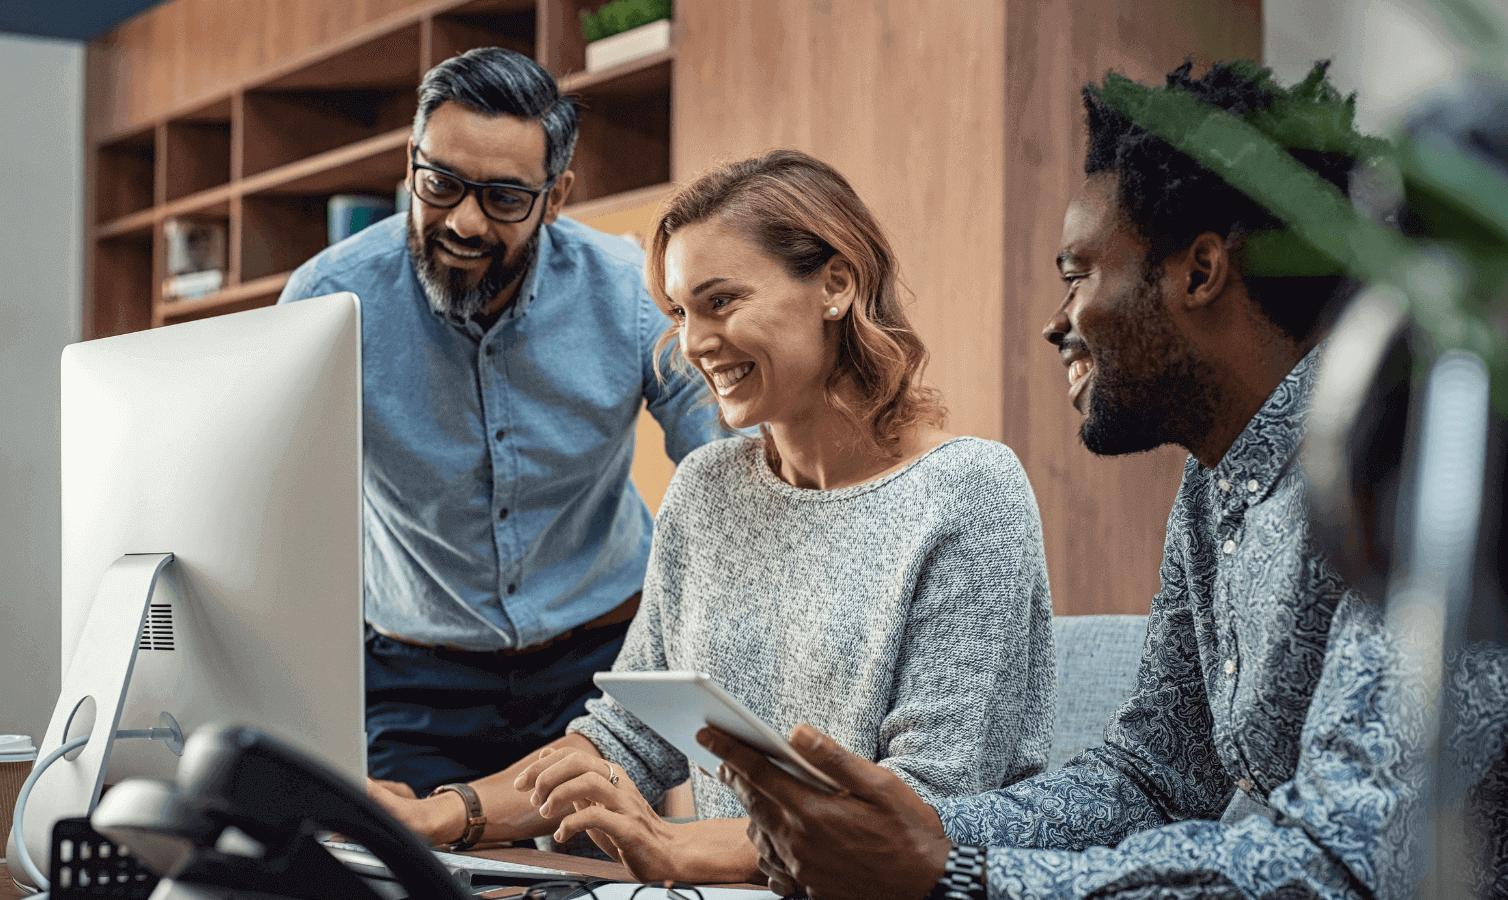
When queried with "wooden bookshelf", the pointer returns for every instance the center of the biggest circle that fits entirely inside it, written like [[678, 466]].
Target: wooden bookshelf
[[957, 121], [265, 149]]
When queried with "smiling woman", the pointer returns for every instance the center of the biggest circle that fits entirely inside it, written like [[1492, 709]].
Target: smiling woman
[[854, 567]]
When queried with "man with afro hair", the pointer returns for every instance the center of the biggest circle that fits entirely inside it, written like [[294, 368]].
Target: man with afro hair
[[1270, 747]]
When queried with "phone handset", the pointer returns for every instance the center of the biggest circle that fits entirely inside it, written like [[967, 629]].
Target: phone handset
[[237, 783]]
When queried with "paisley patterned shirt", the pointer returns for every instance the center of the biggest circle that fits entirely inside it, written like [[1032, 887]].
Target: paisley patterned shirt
[[1250, 626]]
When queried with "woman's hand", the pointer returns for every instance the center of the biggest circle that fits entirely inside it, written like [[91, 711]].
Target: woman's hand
[[437, 820], [597, 797]]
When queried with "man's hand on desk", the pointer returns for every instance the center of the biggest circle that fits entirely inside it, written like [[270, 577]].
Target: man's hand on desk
[[439, 820], [598, 797], [877, 840]]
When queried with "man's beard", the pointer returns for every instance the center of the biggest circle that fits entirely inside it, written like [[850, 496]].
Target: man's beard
[[446, 287], [1155, 389]]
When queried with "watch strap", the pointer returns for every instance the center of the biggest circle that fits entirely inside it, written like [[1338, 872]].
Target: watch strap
[[476, 823], [963, 875]]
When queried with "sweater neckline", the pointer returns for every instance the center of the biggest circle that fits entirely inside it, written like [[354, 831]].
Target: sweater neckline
[[754, 454]]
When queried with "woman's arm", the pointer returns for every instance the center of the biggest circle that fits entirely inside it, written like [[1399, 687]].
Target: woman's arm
[[589, 794], [974, 680]]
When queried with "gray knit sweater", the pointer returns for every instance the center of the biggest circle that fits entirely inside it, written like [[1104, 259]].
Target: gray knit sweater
[[908, 617]]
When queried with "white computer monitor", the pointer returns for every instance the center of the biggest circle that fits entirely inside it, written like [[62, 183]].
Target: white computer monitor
[[233, 443]]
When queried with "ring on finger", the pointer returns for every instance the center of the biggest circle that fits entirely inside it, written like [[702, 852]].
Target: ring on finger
[[612, 775]]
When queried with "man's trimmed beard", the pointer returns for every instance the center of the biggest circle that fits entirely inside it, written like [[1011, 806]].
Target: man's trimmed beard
[[446, 287], [1155, 389]]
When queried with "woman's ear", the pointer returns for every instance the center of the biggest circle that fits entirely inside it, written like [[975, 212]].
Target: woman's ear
[[838, 287]]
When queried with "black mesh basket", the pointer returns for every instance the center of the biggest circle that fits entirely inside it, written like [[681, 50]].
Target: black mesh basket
[[86, 864]]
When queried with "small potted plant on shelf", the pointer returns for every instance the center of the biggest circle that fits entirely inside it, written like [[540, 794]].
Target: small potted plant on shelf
[[624, 30]]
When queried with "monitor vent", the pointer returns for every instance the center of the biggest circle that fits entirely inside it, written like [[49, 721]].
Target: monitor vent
[[157, 634]]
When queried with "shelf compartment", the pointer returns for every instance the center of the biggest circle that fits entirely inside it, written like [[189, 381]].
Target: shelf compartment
[[624, 142], [375, 165], [279, 233], [248, 295], [568, 53], [124, 175], [362, 93], [484, 23], [197, 148], [387, 61], [123, 288]]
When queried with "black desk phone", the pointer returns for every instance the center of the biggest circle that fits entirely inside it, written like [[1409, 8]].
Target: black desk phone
[[243, 821]]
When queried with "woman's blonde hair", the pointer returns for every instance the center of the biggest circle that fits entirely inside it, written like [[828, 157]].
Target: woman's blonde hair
[[800, 211]]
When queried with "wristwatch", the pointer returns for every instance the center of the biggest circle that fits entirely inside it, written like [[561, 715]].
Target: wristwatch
[[963, 875], [475, 821]]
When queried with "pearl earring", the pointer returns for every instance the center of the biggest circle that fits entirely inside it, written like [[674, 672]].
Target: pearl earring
[[832, 312]]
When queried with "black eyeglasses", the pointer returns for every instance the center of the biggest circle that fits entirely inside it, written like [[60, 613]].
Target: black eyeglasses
[[673, 891], [558, 890], [500, 202]]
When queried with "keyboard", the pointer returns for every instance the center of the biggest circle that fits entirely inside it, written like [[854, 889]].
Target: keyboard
[[476, 869]]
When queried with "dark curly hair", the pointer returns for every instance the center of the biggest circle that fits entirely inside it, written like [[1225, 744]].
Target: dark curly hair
[[1171, 199]]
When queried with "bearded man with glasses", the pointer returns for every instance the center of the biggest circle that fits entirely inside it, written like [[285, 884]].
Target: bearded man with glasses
[[507, 352]]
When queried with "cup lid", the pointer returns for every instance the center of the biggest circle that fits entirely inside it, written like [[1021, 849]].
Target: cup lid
[[17, 748]]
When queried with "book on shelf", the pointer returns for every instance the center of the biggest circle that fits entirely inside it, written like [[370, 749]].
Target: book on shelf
[[195, 257], [194, 245], [192, 285], [350, 213]]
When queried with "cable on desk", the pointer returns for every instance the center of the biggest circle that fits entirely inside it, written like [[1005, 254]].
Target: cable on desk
[[156, 734]]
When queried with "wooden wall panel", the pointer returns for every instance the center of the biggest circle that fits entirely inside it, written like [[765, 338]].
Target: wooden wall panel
[[1103, 519], [960, 123], [904, 98]]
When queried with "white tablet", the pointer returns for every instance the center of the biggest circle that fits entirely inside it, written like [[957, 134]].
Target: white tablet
[[678, 704]]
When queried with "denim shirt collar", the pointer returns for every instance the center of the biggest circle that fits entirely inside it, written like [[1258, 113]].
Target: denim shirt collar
[[1263, 451]]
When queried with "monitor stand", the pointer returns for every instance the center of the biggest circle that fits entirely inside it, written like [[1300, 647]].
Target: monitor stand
[[94, 691]]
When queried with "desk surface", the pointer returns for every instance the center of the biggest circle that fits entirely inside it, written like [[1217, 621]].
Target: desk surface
[[594, 867]]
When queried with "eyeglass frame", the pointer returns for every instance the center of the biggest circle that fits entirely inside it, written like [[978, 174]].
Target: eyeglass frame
[[672, 890], [574, 884], [468, 186]]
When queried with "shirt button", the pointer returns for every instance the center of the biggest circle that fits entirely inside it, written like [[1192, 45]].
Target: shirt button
[[1244, 784], [1252, 486], [487, 351], [1230, 667], [501, 432], [1229, 548], [512, 589], [1224, 485], [502, 514]]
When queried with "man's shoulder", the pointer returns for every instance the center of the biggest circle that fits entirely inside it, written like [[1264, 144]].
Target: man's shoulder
[[375, 253]]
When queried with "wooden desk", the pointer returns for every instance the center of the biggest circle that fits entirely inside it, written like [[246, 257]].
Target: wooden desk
[[594, 867]]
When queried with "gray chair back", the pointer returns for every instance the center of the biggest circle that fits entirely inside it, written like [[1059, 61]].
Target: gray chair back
[[1097, 657]]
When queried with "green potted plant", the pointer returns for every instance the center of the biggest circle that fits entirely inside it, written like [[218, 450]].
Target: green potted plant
[[624, 30]]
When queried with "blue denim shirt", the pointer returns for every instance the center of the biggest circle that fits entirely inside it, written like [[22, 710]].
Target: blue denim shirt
[[499, 509], [1263, 673]]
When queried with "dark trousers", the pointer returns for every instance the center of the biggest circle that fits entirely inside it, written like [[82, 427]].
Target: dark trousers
[[436, 716]]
